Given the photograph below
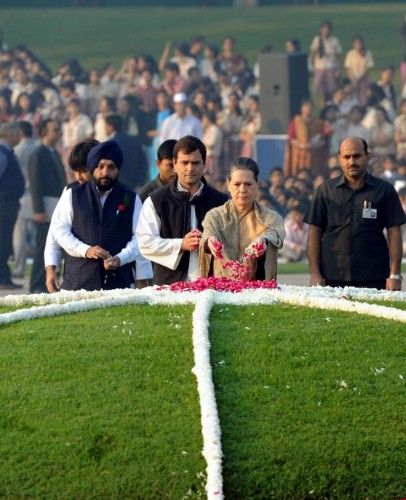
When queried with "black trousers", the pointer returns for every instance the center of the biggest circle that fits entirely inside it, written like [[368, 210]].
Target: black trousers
[[378, 284], [38, 276], [8, 216]]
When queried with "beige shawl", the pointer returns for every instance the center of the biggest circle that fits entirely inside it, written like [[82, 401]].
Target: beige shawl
[[224, 223]]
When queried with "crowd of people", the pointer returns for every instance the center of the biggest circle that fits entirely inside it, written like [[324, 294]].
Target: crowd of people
[[195, 89]]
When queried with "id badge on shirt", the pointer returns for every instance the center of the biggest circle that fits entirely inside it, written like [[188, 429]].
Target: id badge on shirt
[[368, 212]]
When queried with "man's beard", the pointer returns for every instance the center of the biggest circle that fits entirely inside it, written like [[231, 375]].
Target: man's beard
[[105, 186]]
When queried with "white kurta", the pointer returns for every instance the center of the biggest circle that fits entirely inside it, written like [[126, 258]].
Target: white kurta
[[165, 251]]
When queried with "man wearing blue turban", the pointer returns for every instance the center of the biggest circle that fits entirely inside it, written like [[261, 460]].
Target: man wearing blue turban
[[96, 227]]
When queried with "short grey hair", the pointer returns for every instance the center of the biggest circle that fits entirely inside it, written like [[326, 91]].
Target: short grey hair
[[243, 163]]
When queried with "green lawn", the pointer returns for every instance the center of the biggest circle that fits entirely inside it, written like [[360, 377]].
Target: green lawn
[[99, 35], [309, 408], [100, 405], [103, 404]]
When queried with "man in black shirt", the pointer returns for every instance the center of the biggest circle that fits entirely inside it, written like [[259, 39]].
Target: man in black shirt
[[346, 244], [164, 164]]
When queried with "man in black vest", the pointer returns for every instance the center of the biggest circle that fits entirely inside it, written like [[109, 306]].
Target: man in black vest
[[171, 218], [95, 225], [47, 179], [53, 252], [12, 187]]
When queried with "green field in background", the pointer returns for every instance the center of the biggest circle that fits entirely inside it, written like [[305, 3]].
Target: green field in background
[[96, 36]]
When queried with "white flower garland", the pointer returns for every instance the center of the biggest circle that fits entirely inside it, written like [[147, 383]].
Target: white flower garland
[[164, 296], [315, 297], [208, 408]]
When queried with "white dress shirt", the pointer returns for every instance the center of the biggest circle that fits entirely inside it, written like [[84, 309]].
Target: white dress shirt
[[165, 251], [175, 127], [60, 233]]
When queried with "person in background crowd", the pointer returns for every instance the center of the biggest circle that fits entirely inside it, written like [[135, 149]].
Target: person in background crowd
[[344, 99], [382, 135], [324, 58], [210, 65], [110, 86], [169, 227], [95, 93], [107, 106], [21, 84], [354, 127], [213, 140], [134, 166], [51, 107], [6, 115], [330, 115], [153, 129], [199, 99], [67, 92], [23, 151], [11, 190], [297, 231], [231, 62], [47, 179], [196, 48], [5, 77], [129, 108], [390, 168], [308, 142], [25, 110], [400, 132], [183, 59], [230, 120], [385, 82], [251, 126], [76, 129], [127, 76], [400, 182], [276, 179], [145, 62], [292, 46], [172, 83], [165, 168], [180, 124], [146, 92], [358, 63], [346, 244]]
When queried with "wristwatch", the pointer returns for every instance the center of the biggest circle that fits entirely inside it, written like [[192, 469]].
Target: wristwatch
[[398, 277]]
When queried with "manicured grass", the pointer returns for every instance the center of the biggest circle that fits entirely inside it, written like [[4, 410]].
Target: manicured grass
[[99, 35], [92, 407], [103, 404], [310, 407], [293, 268]]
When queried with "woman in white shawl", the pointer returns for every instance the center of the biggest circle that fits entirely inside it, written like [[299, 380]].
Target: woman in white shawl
[[238, 224]]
